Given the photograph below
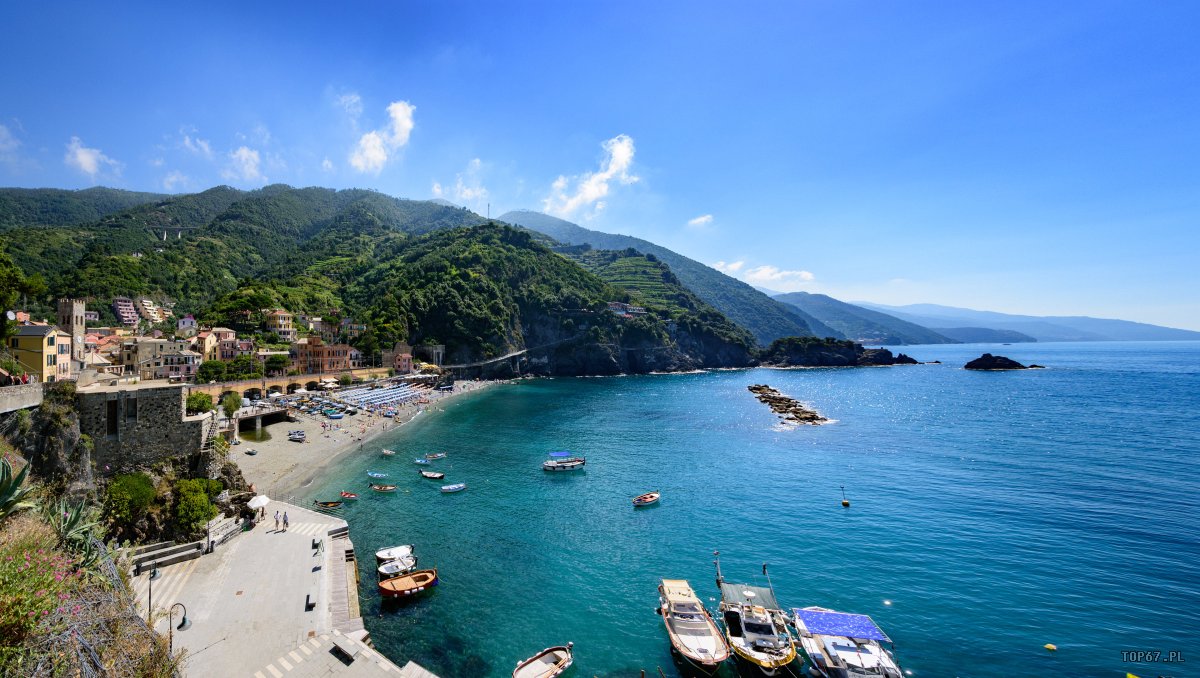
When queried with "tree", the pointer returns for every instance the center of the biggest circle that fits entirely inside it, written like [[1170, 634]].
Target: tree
[[195, 502], [278, 364], [210, 370], [199, 402], [12, 283], [129, 495], [231, 403]]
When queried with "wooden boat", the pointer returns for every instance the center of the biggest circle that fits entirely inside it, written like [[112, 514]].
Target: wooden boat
[[389, 453], [397, 567], [433, 475], [436, 455], [563, 461], [841, 645], [420, 461], [377, 474], [393, 552], [408, 585], [646, 499], [548, 663], [328, 504], [381, 488], [757, 630], [349, 495], [456, 487], [693, 633]]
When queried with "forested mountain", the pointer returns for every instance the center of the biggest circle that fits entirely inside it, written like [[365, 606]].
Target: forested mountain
[[766, 318], [862, 324], [57, 207]]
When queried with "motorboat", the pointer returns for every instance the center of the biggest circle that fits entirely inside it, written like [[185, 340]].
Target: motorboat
[[755, 626], [436, 455], [349, 495], [393, 553], [389, 453], [251, 451], [420, 460], [693, 633], [456, 487], [548, 663], [844, 645], [563, 461], [377, 474], [408, 585], [399, 566], [433, 475], [646, 499], [381, 488], [328, 504]]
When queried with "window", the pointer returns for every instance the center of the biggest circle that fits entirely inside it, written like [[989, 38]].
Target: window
[[112, 417], [131, 409], [50, 340]]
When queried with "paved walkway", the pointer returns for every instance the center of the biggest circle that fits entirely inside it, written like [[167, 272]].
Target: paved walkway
[[247, 604]]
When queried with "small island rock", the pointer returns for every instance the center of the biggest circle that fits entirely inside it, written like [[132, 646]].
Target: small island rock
[[987, 361]]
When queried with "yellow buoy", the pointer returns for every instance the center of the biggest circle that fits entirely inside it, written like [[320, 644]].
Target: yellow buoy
[[1050, 646], [846, 503]]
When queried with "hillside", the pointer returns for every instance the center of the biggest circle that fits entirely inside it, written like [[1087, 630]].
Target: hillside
[[862, 324], [984, 335], [765, 318], [1041, 328], [24, 207]]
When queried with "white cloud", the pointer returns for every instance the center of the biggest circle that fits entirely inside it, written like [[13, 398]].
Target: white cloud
[[766, 275], [175, 179], [90, 161], [244, 166], [437, 190], [157, 162], [351, 103], [327, 165], [8, 143], [591, 188], [374, 147], [198, 146], [701, 221], [730, 268]]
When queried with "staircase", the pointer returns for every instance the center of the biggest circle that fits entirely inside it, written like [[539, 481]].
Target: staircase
[[211, 430], [166, 553]]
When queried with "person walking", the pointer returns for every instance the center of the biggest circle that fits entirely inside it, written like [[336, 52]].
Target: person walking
[[277, 521], [285, 521]]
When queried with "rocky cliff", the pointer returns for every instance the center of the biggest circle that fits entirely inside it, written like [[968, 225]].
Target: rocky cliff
[[808, 352]]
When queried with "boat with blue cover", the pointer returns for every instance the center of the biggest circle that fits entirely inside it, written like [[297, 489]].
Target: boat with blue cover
[[844, 645], [563, 461], [456, 487], [377, 474], [420, 461]]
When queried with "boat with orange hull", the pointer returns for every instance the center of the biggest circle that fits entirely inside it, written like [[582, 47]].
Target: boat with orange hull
[[408, 585], [693, 633], [646, 499]]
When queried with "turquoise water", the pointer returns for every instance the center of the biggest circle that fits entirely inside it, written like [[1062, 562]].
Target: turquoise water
[[996, 512]]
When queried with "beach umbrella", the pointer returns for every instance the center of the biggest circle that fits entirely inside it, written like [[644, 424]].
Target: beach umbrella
[[259, 501]]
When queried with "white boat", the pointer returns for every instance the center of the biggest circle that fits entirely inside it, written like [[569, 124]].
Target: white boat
[[563, 461], [755, 626], [399, 566], [456, 487], [389, 453], [693, 633], [548, 663], [393, 553], [843, 645]]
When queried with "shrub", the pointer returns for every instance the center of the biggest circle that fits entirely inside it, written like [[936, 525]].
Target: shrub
[[129, 495], [199, 402], [194, 507], [35, 578], [231, 403]]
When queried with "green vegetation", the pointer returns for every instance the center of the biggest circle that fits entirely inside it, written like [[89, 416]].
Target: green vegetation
[[128, 496], [230, 404], [241, 367], [194, 508], [199, 402], [12, 494], [54, 207]]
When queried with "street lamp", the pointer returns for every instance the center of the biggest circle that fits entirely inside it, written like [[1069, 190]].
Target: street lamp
[[184, 625]]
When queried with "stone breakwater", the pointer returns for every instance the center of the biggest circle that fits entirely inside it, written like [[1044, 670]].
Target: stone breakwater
[[787, 408]]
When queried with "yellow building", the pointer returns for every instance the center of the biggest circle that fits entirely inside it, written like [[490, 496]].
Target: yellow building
[[43, 351], [279, 321]]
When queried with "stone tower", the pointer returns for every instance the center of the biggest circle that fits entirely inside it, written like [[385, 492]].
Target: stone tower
[[70, 320]]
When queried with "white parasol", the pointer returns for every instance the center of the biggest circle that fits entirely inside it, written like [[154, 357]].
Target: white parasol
[[259, 501]]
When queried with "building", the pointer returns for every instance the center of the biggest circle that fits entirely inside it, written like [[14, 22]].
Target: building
[[313, 356], [228, 349], [264, 355], [625, 310], [352, 329], [125, 311], [91, 316], [399, 358], [134, 426], [357, 359], [159, 358], [36, 349], [71, 320], [279, 322], [186, 326]]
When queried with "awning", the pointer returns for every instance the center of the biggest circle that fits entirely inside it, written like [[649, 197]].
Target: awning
[[560, 454], [259, 501], [746, 594], [838, 624]]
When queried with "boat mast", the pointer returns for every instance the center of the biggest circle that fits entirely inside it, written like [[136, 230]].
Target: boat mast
[[769, 584], [717, 562]]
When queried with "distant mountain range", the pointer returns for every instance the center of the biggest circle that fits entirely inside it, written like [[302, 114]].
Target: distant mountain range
[[862, 324], [953, 321]]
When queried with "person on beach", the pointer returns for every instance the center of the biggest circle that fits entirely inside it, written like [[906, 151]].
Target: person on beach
[[277, 521], [285, 521]]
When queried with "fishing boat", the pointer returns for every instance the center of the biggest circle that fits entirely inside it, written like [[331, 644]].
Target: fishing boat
[[377, 474], [407, 585], [389, 453], [436, 455], [381, 488], [843, 645], [433, 475], [456, 487], [563, 461], [548, 663], [393, 553], [328, 504], [349, 495], [399, 566], [694, 635], [755, 626], [420, 460], [646, 499]]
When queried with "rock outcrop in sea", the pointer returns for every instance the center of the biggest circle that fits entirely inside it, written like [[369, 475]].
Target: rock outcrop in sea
[[810, 352], [787, 408], [987, 361]]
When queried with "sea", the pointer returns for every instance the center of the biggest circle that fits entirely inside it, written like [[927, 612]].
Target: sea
[[991, 513]]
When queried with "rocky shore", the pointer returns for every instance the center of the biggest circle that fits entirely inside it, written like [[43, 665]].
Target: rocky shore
[[787, 408], [987, 361]]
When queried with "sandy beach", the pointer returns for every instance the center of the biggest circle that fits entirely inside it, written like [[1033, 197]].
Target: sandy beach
[[282, 467]]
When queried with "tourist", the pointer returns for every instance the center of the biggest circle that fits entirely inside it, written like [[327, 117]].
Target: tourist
[[285, 521], [277, 521]]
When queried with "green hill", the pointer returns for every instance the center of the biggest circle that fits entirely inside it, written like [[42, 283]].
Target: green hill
[[764, 317], [56, 207], [861, 324]]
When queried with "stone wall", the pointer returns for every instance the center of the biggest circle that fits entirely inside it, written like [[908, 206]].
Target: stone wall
[[20, 397], [141, 426]]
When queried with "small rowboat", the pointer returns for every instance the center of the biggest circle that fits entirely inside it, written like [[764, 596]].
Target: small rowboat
[[456, 487], [563, 461], [381, 488], [328, 504], [376, 474], [397, 567], [407, 585], [389, 453], [251, 452], [434, 475], [349, 495], [420, 461], [646, 499], [393, 553], [548, 663], [436, 455]]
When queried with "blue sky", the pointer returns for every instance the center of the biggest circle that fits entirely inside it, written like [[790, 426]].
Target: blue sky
[[1021, 157]]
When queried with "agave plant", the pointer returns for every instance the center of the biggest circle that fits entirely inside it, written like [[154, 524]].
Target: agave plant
[[73, 523], [12, 495]]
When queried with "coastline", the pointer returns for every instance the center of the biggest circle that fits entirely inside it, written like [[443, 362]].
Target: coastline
[[282, 468]]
